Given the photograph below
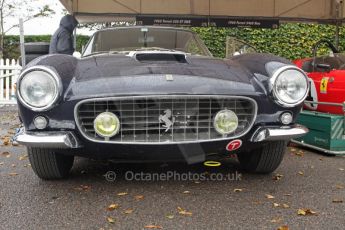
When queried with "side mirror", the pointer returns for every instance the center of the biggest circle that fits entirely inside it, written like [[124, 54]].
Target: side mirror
[[77, 54]]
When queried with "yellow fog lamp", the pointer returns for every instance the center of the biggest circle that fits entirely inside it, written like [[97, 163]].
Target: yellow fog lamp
[[225, 122], [107, 125]]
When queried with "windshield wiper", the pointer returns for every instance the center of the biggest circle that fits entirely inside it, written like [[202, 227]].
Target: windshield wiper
[[96, 53], [155, 49], [106, 52]]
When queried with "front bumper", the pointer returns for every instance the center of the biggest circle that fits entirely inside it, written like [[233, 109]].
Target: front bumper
[[55, 140], [67, 140], [279, 133]]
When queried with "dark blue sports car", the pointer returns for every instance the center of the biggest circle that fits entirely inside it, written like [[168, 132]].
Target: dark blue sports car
[[156, 93]]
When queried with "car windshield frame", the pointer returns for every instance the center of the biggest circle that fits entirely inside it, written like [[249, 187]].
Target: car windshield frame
[[149, 43]]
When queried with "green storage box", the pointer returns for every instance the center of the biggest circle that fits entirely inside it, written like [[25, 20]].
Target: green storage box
[[326, 132]]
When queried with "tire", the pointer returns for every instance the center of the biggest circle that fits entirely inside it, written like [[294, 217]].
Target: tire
[[37, 48], [264, 160], [48, 164]]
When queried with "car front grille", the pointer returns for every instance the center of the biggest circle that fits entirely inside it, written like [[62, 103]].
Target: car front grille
[[165, 119]]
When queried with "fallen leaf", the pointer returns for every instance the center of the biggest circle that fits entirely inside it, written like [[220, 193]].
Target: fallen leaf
[[153, 227], [301, 212], [337, 201], [6, 154], [268, 196], [305, 211], [27, 165], [122, 194], [284, 227], [112, 207], [13, 165], [139, 197], [238, 190], [277, 176], [1, 163], [299, 153], [83, 188], [170, 216], [276, 205], [23, 157], [186, 192], [257, 202], [293, 150], [110, 220], [339, 186], [129, 211], [277, 220], [286, 206], [6, 141], [287, 194], [300, 173], [13, 174], [341, 169], [184, 212]]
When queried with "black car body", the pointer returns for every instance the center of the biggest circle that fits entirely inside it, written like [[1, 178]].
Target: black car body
[[164, 97]]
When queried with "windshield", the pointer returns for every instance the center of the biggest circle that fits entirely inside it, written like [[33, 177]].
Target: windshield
[[142, 38]]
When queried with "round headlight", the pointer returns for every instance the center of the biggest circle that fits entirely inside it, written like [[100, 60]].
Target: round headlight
[[106, 124], [39, 88], [290, 86], [225, 122]]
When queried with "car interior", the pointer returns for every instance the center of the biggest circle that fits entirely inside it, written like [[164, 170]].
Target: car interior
[[326, 63]]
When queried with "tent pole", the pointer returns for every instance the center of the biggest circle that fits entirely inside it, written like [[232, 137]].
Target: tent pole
[[22, 41]]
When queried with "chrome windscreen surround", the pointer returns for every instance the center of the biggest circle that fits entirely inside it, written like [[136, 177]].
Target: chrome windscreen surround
[[165, 119]]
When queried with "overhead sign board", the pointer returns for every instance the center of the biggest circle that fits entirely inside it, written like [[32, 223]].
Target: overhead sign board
[[205, 22]]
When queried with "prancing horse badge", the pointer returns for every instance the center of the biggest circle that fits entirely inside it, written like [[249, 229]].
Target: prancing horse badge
[[166, 119]]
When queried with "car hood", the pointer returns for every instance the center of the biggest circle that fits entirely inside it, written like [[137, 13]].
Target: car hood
[[111, 66], [106, 75]]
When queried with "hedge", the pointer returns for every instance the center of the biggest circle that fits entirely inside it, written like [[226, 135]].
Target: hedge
[[291, 41], [11, 43]]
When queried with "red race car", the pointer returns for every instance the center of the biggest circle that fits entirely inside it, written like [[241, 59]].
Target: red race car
[[327, 79]]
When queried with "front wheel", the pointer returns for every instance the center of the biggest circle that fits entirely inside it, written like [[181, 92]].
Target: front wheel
[[263, 160], [48, 164]]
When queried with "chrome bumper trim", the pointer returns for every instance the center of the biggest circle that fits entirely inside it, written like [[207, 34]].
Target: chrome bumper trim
[[60, 140], [279, 133]]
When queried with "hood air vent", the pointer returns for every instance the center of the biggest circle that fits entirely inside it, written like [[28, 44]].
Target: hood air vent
[[161, 57]]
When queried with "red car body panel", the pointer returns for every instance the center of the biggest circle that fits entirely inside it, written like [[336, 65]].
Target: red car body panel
[[325, 87]]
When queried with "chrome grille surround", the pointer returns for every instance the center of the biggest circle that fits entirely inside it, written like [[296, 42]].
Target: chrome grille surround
[[192, 117]]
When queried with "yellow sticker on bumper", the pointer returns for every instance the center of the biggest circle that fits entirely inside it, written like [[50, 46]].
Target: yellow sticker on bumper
[[324, 85], [212, 163]]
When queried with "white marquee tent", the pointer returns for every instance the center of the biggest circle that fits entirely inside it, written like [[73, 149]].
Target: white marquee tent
[[324, 11]]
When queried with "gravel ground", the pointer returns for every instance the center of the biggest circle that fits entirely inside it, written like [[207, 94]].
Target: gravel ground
[[305, 180]]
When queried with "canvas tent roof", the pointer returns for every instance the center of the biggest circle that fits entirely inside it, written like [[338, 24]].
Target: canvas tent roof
[[327, 11]]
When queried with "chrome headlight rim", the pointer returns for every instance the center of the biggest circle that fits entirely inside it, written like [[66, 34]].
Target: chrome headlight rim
[[273, 88], [57, 93]]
